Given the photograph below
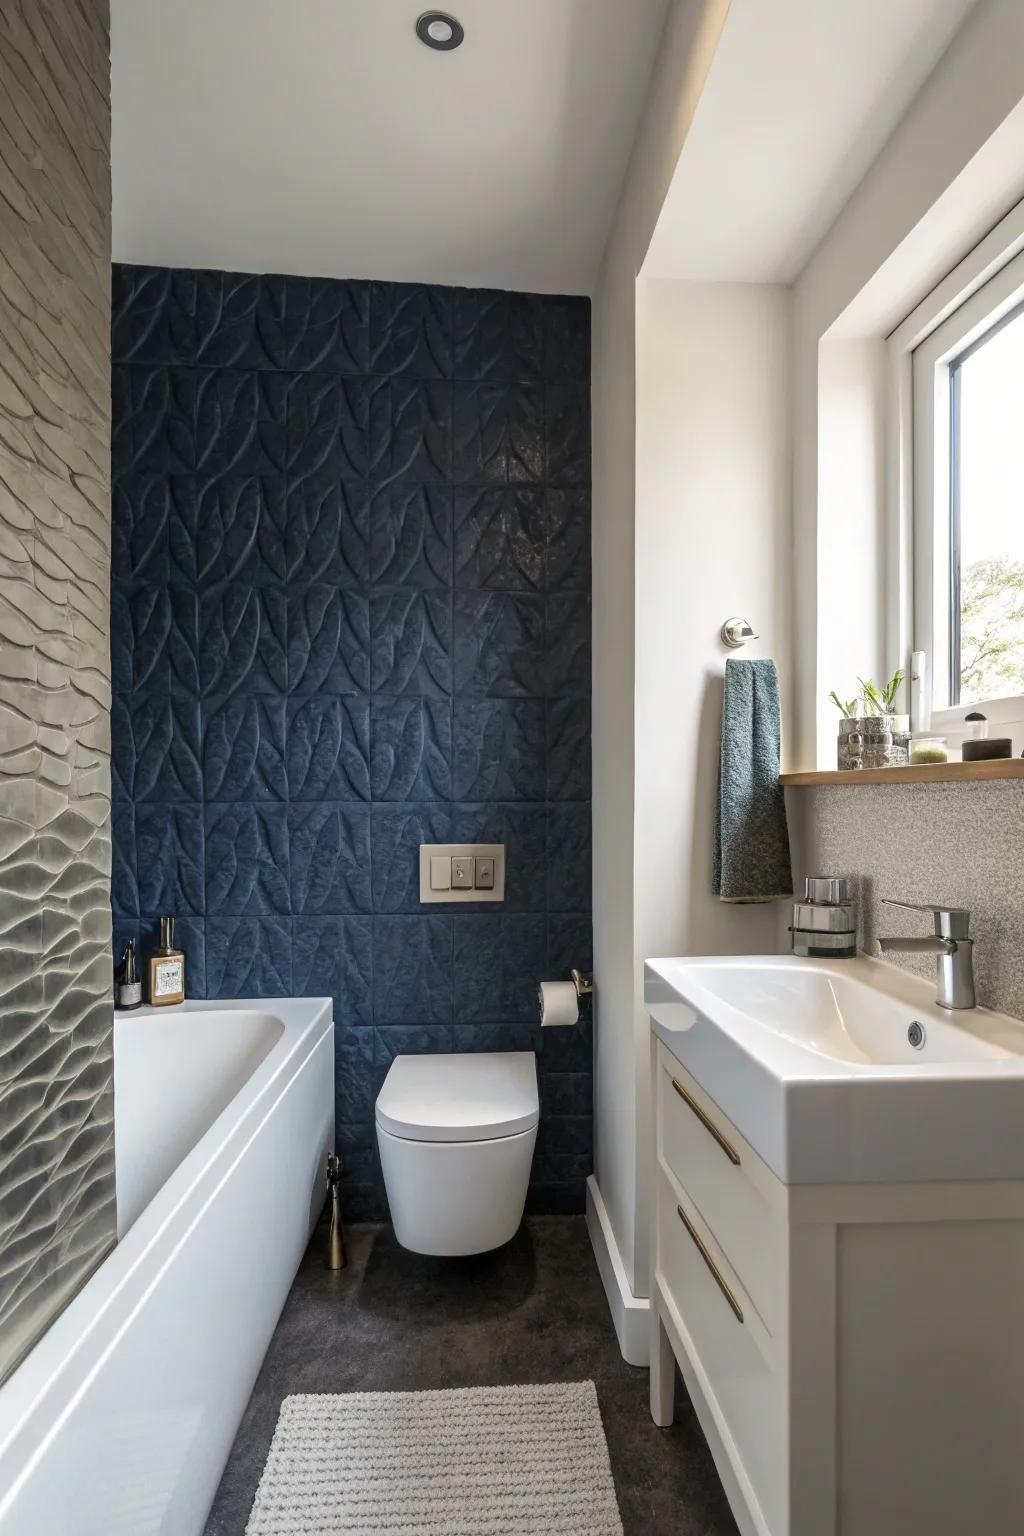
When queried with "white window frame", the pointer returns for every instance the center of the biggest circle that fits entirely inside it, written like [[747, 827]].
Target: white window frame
[[986, 286]]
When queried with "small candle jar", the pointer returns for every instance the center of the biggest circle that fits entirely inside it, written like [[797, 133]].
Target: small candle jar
[[928, 749]]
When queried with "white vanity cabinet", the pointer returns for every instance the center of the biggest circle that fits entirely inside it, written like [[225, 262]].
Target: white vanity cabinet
[[854, 1352]]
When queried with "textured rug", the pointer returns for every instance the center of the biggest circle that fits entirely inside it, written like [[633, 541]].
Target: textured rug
[[479, 1461]]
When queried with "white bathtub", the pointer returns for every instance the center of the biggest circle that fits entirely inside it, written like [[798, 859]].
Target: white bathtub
[[120, 1420]]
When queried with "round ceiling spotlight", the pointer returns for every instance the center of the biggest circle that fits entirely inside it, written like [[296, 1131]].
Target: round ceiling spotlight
[[439, 30]]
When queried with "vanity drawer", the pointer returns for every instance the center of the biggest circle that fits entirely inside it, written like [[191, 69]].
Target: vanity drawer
[[738, 1198], [725, 1341]]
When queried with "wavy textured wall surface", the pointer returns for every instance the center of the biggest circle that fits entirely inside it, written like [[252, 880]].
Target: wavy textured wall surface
[[56, 1065], [351, 613]]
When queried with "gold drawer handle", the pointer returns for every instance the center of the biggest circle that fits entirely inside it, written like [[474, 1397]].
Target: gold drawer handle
[[712, 1266], [707, 1123]]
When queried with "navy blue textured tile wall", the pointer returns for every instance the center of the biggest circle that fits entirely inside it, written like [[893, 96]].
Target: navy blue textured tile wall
[[351, 614]]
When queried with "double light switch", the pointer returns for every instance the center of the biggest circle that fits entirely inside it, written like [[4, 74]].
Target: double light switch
[[462, 872]]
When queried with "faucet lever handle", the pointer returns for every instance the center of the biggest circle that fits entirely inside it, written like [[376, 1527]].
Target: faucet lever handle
[[950, 922]]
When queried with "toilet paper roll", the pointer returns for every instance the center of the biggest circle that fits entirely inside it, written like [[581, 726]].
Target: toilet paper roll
[[559, 1003]]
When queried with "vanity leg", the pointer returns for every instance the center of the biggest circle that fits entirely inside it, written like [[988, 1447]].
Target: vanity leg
[[663, 1372]]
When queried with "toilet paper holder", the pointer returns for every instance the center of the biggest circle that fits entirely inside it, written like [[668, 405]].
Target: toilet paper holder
[[584, 984]]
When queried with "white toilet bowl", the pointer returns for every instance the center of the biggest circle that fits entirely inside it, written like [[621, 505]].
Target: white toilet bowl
[[456, 1137]]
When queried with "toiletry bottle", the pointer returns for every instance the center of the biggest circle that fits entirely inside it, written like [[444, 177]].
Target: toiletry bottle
[[128, 986], [166, 969]]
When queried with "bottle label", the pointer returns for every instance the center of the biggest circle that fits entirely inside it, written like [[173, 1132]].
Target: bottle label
[[129, 994], [167, 978]]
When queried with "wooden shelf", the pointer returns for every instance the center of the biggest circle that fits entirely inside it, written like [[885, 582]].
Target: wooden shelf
[[920, 773]]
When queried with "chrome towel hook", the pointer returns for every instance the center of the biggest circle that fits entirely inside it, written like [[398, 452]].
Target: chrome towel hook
[[736, 632]]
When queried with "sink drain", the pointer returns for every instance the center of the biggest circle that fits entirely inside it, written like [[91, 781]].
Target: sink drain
[[915, 1034]]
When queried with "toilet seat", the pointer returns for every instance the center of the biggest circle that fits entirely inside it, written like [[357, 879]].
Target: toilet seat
[[460, 1098]]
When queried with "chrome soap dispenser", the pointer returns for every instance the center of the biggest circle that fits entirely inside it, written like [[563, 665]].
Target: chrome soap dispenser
[[824, 923]]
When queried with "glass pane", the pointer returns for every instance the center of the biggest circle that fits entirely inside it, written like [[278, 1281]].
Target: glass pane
[[988, 400]]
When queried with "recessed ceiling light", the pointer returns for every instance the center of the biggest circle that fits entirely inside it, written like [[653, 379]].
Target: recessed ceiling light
[[439, 30]]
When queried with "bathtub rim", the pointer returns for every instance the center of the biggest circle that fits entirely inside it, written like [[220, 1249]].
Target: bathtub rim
[[65, 1359]]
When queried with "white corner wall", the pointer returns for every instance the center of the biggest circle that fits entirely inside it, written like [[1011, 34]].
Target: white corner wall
[[713, 539], [687, 48]]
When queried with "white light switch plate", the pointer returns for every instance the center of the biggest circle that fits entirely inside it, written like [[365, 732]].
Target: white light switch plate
[[471, 852]]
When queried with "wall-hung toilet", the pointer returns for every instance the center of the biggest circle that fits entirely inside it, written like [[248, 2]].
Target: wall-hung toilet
[[456, 1137]]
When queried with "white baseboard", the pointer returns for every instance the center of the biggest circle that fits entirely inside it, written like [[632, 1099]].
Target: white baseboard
[[630, 1314]]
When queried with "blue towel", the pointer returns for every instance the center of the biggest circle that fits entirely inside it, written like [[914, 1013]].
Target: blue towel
[[751, 836]]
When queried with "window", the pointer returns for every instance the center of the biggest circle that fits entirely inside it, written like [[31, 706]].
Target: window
[[968, 504], [986, 516]]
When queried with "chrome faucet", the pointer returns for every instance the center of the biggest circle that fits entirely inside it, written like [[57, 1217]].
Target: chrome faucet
[[950, 944]]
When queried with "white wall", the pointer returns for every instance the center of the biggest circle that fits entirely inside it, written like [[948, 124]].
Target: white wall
[[686, 51], [713, 536]]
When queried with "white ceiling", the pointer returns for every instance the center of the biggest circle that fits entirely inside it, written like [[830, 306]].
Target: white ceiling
[[800, 98], [321, 137]]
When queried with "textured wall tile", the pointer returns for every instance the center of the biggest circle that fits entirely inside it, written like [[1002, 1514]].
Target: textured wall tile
[[398, 832], [411, 534], [500, 538], [242, 640], [411, 642], [498, 336], [569, 858], [567, 408], [498, 963], [412, 970], [497, 1037], [412, 748], [156, 748], [124, 890], [568, 743], [154, 640], [234, 531], [409, 1040], [153, 315], [327, 427], [244, 749], [329, 748], [498, 433], [328, 641], [498, 749], [327, 323], [169, 855], [410, 435], [327, 533], [567, 561], [410, 330], [248, 957], [567, 618], [154, 414], [332, 957], [567, 339], [330, 858], [241, 418], [140, 545], [499, 643], [240, 320], [247, 859]]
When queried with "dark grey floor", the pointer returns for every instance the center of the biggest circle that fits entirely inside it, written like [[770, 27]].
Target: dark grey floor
[[532, 1311]]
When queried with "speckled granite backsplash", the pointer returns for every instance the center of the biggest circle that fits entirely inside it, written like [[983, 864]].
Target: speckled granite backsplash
[[956, 844]]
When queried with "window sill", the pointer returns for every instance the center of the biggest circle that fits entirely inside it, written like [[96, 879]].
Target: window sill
[[921, 773]]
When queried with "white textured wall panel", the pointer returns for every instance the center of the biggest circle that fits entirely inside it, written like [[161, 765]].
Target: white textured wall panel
[[56, 1064]]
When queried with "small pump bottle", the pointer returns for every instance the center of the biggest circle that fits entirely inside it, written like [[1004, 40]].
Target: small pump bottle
[[128, 986], [166, 969]]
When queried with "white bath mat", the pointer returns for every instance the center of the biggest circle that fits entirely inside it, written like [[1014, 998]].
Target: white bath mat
[[479, 1461]]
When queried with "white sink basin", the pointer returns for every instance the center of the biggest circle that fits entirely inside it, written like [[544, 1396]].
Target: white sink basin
[[846, 1071]]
